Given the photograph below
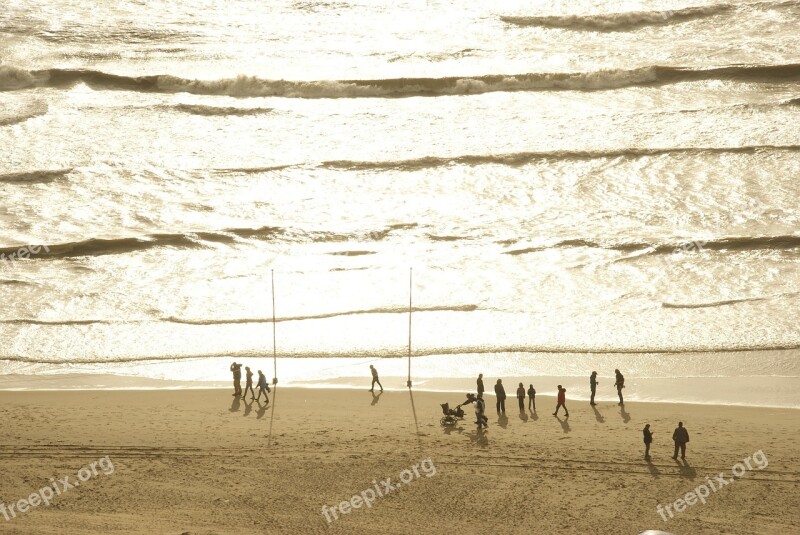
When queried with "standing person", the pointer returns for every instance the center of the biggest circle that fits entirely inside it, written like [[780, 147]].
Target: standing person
[[648, 439], [263, 387], [248, 385], [480, 409], [500, 392], [481, 390], [237, 379], [532, 397], [562, 401], [620, 384], [681, 437], [521, 397], [375, 379], [593, 386]]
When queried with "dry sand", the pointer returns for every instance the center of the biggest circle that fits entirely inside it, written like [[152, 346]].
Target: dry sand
[[191, 462]]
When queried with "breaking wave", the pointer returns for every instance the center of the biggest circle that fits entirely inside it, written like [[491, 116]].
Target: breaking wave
[[522, 158], [436, 351], [38, 176], [196, 240], [632, 20], [12, 78], [743, 243]]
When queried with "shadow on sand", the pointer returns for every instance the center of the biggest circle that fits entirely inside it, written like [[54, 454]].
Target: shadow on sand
[[564, 423], [502, 420], [686, 470], [262, 410], [652, 468], [626, 417], [479, 438]]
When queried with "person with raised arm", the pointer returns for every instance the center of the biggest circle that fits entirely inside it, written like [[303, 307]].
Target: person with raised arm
[[237, 378]]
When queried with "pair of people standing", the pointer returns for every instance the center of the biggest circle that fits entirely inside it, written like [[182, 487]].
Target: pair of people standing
[[680, 436], [499, 392], [531, 397], [619, 383]]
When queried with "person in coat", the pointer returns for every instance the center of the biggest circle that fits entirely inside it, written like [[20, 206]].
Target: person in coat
[[532, 397], [648, 439], [562, 401], [620, 384], [500, 392], [681, 437]]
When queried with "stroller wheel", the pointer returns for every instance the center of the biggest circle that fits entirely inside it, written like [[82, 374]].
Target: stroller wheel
[[447, 421]]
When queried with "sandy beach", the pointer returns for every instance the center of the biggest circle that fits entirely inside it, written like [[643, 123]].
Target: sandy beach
[[197, 461]]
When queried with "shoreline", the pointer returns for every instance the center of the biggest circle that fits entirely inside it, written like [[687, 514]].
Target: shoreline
[[91, 382]]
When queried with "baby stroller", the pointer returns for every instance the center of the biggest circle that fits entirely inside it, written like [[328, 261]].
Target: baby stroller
[[451, 416]]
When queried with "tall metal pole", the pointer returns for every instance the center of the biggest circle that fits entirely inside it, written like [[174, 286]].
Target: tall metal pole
[[410, 286], [274, 343]]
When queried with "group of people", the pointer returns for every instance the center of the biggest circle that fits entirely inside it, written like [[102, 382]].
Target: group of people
[[263, 387], [500, 393], [680, 436]]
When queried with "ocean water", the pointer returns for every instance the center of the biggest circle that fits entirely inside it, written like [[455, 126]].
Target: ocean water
[[577, 186]]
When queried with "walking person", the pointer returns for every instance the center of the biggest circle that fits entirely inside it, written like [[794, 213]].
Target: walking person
[[481, 390], [620, 384], [480, 409], [681, 437], [532, 397], [500, 392], [248, 385], [593, 387], [237, 379], [562, 401], [263, 387], [521, 397], [648, 439], [375, 379]]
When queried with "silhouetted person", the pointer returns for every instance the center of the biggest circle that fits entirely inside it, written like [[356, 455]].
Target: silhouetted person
[[562, 401], [648, 439], [500, 392], [248, 385], [620, 384], [532, 398], [481, 390], [521, 397], [480, 409], [593, 387], [237, 379], [681, 437], [263, 387], [375, 378]]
